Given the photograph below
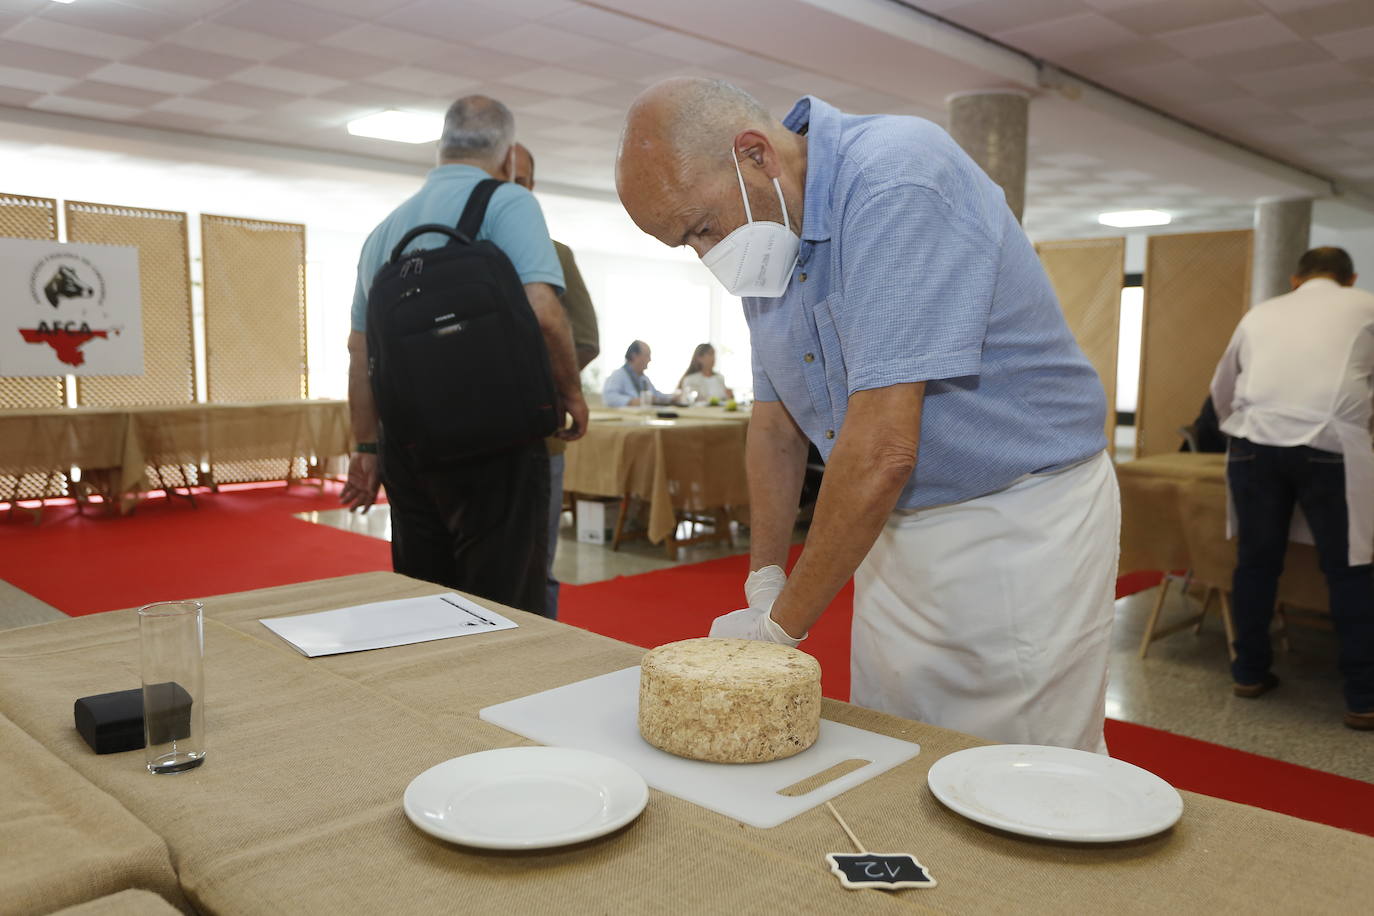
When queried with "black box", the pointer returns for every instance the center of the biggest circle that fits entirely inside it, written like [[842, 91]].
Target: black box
[[113, 722]]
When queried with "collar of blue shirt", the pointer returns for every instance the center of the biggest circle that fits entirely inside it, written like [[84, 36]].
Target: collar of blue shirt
[[821, 122], [450, 170]]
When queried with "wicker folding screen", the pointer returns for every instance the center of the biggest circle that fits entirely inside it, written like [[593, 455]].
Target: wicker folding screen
[[165, 282], [254, 275], [1087, 276], [1197, 287], [30, 218]]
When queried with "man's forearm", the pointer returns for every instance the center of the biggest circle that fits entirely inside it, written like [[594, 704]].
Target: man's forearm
[[553, 322], [871, 463], [775, 459], [362, 408]]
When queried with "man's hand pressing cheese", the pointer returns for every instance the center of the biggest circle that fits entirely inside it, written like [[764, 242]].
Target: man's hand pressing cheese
[[752, 623]]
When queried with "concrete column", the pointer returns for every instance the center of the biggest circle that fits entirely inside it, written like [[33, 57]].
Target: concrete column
[[991, 126], [1282, 231]]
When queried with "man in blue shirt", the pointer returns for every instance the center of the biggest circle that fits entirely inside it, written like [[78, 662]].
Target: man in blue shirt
[[894, 301], [628, 386], [479, 525]]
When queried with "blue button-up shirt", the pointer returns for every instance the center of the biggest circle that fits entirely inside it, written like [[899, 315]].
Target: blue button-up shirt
[[913, 269], [624, 385]]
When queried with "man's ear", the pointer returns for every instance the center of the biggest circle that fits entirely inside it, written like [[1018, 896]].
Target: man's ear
[[1353, 278]]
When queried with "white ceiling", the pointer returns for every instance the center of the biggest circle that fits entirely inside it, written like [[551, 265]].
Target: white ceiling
[[293, 72]]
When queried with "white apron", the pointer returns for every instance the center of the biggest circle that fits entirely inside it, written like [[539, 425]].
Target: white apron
[[993, 616], [1358, 452]]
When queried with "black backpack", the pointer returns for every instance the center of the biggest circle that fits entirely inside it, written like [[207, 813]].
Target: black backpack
[[456, 358]]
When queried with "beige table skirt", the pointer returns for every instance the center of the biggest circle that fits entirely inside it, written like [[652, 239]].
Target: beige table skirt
[[1173, 516], [672, 465], [62, 840], [298, 806], [125, 447]]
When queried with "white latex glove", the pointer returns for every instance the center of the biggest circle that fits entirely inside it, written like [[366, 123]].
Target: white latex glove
[[751, 623], [763, 587]]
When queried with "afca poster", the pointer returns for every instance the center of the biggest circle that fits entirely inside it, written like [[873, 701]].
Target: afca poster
[[69, 309]]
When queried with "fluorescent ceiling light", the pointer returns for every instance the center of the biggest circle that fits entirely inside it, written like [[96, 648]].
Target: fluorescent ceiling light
[[400, 126], [63, 1], [1133, 219]]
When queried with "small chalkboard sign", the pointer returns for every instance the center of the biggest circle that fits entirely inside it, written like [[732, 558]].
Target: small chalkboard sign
[[882, 870]]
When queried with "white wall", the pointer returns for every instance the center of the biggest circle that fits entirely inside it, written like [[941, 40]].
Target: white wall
[[1358, 242]]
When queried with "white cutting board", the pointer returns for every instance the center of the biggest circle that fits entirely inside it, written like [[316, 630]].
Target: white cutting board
[[601, 714]]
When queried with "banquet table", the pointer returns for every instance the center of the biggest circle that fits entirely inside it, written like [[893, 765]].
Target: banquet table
[[298, 805], [1173, 517], [121, 449], [691, 463]]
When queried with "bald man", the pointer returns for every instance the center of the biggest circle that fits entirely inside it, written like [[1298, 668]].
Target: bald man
[[897, 309]]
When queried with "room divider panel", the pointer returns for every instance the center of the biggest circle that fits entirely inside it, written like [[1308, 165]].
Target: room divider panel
[[24, 217], [1197, 287], [165, 283], [1087, 275], [254, 274]]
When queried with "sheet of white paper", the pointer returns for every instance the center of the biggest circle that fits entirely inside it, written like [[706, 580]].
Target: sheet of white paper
[[384, 624]]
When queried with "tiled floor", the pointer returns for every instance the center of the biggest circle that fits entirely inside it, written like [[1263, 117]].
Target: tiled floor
[[1182, 687]]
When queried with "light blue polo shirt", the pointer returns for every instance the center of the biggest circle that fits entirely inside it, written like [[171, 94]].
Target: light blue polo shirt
[[513, 221], [913, 269]]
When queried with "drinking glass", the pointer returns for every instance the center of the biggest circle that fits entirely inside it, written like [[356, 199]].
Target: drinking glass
[[171, 641]]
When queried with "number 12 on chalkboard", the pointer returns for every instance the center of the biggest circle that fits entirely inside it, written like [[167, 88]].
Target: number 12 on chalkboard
[[885, 871], [888, 871]]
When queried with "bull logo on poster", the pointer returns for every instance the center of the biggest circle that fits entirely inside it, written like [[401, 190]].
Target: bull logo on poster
[[69, 309]]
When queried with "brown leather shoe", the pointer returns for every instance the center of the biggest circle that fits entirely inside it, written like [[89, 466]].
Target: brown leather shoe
[[1251, 691], [1360, 721]]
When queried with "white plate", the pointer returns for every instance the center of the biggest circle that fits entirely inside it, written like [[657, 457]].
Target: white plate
[[525, 798], [1055, 793]]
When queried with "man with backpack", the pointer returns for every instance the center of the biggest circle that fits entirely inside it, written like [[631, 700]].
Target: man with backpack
[[461, 362]]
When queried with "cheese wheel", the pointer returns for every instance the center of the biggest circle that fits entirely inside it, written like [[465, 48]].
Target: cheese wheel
[[729, 700]]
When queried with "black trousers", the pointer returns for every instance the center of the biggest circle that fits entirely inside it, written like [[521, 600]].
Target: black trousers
[[1266, 482], [479, 526]]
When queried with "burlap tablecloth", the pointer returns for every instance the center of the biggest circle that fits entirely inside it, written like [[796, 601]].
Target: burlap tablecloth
[[125, 903], [62, 840], [123, 443], [1173, 516], [673, 465], [298, 806]]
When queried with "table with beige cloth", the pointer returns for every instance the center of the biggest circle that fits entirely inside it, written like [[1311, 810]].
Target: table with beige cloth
[[673, 465], [62, 840], [1173, 517], [123, 448], [298, 806]]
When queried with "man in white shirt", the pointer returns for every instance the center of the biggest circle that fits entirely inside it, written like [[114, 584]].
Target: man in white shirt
[[1294, 391], [628, 386]]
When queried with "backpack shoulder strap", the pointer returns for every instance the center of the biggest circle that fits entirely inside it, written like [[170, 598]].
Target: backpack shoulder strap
[[476, 210]]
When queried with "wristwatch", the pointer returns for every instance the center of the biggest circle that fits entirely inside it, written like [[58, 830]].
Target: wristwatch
[[366, 448]]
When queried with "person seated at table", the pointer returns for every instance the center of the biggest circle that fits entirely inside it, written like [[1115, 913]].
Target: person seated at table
[[701, 376], [628, 386]]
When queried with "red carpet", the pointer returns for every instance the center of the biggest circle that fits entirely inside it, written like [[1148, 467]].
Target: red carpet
[[1222, 772], [245, 538], [240, 538]]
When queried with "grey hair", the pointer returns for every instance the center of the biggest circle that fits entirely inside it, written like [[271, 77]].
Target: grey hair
[[708, 113], [477, 127]]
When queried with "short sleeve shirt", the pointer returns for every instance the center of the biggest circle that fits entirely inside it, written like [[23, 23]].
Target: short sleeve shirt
[[913, 269], [513, 221]]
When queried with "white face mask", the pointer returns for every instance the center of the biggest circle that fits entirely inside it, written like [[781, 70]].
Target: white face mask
[[757, 258]]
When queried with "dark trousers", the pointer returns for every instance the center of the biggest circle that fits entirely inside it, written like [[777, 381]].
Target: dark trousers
[[479, 526], [1266, 483]]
